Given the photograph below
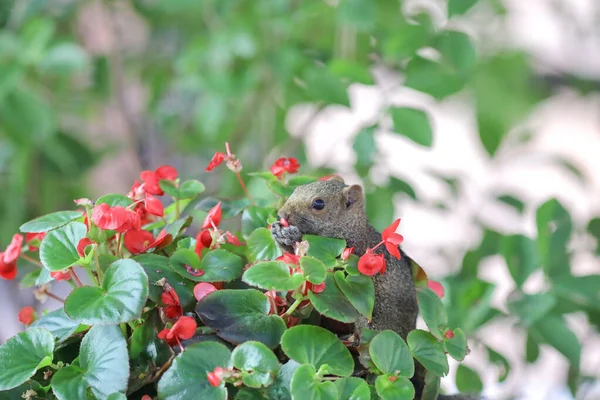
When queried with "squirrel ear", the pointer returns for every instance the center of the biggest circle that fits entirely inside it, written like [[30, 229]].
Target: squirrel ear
[[354, 196], [335, 178]]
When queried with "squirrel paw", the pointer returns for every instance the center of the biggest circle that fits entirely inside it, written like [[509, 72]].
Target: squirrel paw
[[286, 236]]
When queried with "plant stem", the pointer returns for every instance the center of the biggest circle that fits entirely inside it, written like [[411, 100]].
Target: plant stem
[[379, 244], [74, 275], [98, 268], [55, 297], [177, 211], [244, 188], [120, 245], [294, 306], [31, 260]]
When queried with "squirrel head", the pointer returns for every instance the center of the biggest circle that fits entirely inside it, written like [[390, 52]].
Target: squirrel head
[[325, 208]]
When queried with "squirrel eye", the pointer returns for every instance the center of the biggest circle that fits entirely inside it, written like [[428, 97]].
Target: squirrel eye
[[318, 204]]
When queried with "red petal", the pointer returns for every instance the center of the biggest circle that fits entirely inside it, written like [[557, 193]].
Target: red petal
[[436, 287], [33, 240], [154, 206], [151, 183], [217, 159], [137, 241], [289, 258], [185, 327], [318, 288], [346, 253], [370, 264], [8, 271], [387, 232], [83, 243], [170, 298], [202, 289], [166, 172], [213, 379], [231, 238], [213, 215], [393, 249], [13, 250], [61, 276], [27, 315], [449, 334]]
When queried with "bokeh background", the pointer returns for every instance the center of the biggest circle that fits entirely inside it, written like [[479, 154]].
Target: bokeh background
[[92, 92]]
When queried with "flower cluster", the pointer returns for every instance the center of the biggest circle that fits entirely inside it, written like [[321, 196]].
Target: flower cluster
[[371, 263]]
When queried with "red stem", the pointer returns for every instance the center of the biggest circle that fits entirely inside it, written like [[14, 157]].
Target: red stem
[[380, 243], [31, 260], [55, 297], [243, 185], [74, 275]]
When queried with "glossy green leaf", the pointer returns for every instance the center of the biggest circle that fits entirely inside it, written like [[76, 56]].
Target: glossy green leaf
[[121, 297], [414, 124], [457, 345], [159, 272], [323, 86], [468, 380], [394, 388], [270, 275], [58, 250], [306, 385], [353, 389], [332, 303], [432, 387], [531, 308], [216, 266], [23, 354], [433, 78], [48, 222], [103, 366], [500, 361], [359, 290], [433, 312], [58, 323], [261, 246], [190, 188], [553, 330], [459, 7], [458, 51], [186, 378], [554, 232], [521, 255], [428, 351], [391, 354], [256, 217], [324, 248], [257, 363], [580, 290], [146, 350], [281, 387], [314, 270], [398, 185], [114, 200], [241, 315], [308, 344]]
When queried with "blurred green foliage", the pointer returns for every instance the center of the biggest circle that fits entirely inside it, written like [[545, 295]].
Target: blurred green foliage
[[230, 70]]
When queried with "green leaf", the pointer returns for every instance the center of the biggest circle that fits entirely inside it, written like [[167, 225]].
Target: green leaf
[[513, 202], [48, 222], [353, 389], [520, 253], [501, 361], [190, 188], [390, 388], [120, 299], [593, 229], [428, 351], [553, 330], [280, 389], [458, 51], [186, 378], [241, 315], [216, 266], [364, 148], [405, 41], [324, 248], [554, 232], [432, 387], [332, 303], [532, 349], [323, 86], [398, 185], [579, 290], [432, 78], [391, 354], [459, 7], [468, 380], [457, 346], [169, 188], [256, 217], [58, 250], [433, 312], [103, 366], [359, 290], [157, 268], [114, 200], [116, 396], [270, 275], [257, 363], [146, 349], [314, 270], [414, 124], [351, 70], [279, 188], [531, 308], [23, 354], [308, 344], [58, 323], [306, 385], [17, 392], [261, 246]]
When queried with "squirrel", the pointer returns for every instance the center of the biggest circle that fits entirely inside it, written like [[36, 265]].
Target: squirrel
[[330, 208]]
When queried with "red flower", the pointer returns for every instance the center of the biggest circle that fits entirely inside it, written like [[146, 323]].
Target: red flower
[[151, 179], [13, 250], [136, 192], [83, 243], [203, 289], [61, 275], [203, 240], [346, 253], [289, 258], [231, 238], [183, 329], [7, 271], [109, 218], [449, 334], [436, 287], [320, 288], [215, 377], [139, 241], [154, 206], [33, 240], [27, 315], [371, 263], [213, 218], [283, 165], [170, 299], [326, 177], [217, 159], [392, 239]]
